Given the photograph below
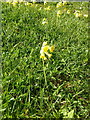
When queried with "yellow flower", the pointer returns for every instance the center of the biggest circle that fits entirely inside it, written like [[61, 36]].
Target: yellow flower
[[48, 8], [85, 15], [64, 2], [65, 9], [43, 57], [52, 48], [68, 11], [77, 13], [27, 3], [14, 3], [44, 21], [46, 48], [60, 4], [59, 13], [44, 51], [45, 2]]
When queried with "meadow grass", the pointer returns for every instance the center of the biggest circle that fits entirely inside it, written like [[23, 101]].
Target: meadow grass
[[25, 94]]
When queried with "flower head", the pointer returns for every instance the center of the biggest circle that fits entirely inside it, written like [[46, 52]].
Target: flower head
[[85, 15], [44, 51], [64, 2], [60, 4], [68, 11], [59, 12], [47, 8], [77, 13]]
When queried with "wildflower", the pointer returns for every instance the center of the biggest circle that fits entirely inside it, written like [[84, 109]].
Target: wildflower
[[44, 21], [64, 9], [27, 3], [60, 4], [68, 11], [64, 2], [85, 15], [59, 13], [44, 51], [14, 3], [52, 48], [40, 8], [77, 13], [45, 2], [48, 8]]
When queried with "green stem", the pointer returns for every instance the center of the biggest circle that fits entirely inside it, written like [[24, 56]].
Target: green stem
[[44, 73]]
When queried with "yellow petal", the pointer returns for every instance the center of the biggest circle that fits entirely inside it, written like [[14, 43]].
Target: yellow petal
[[45, 49], [43, 57], [52, 48]]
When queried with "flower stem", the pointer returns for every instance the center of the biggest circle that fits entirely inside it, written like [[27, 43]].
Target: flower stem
[[44, 73]]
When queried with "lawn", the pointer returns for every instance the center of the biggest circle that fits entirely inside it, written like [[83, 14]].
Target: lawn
[[55, 84]]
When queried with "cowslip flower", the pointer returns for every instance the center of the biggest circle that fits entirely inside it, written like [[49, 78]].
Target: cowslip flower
[[60, 4], [64, 2], [44, 21], [68, 11], [45, 2], [77, 13], [65, 9], [48, 8], [27, 3], [44, 51], [14, 3], [85, 15], [59, 12]]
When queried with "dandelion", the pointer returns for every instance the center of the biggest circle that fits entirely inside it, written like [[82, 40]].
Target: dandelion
[[44, 51], [44, 21]]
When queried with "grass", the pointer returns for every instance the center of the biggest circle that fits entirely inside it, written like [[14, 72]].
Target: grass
[[24, 92]]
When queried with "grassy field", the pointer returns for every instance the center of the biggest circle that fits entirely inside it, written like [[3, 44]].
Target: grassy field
[[52, 88]]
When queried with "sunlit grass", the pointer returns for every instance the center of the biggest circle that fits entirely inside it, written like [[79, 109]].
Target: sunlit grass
[[58, 86]]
